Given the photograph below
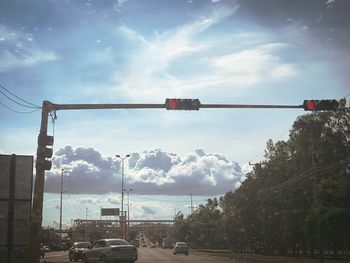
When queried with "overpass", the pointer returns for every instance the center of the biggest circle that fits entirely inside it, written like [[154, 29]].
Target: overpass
[[96, 229]]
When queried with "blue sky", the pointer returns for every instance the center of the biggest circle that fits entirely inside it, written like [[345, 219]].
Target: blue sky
[[133, 51]]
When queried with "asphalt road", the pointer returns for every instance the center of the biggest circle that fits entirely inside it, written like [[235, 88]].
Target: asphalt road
[[153, 255]]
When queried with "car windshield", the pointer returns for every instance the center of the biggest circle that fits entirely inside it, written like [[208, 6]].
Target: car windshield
[[116, 242], [82, 245], [181, 245]]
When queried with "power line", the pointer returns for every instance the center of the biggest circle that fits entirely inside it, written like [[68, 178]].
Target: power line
[[255, 156], [20, 112], [299, 178], [164, 200], [32, 105], [23, 105]]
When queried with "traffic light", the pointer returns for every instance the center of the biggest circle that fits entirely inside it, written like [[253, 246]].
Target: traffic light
[[317, 105], [182, 104], [45, 151]]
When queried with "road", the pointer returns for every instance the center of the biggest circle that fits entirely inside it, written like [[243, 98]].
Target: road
[[152, 255]]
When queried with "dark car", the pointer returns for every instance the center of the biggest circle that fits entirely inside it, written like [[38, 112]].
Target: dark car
[[111, 250], [180, 247], [76, 251]]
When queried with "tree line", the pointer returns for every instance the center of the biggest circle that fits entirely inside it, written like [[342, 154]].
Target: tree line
[[296, 201]]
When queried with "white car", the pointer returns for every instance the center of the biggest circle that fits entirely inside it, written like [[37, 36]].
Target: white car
[[108, 250]]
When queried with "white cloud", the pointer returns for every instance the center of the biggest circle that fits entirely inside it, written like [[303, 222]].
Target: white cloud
[[86, 200], [19, 50], [216, 64], [258, 64], [114, 200], [147, 75], [121, 2], [149, 172]]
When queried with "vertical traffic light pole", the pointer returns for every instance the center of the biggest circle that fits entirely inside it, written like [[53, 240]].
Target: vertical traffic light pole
[[37, 208]]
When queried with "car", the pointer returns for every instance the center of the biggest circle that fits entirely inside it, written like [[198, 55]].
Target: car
[[109, 250], [76, 251], [180, 247], [153, 245]]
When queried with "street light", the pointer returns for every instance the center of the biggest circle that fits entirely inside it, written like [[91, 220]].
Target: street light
[[128, 191], [62, 171], [123, 158]]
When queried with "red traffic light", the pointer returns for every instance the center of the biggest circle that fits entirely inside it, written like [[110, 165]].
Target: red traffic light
[[182, 104], [319, 105], [309, 105], [171, 104]]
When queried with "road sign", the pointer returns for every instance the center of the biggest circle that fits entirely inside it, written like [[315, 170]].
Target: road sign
[[109, 211], [16, 176]]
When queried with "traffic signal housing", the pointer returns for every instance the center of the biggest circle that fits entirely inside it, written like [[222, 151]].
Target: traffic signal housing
[[45, 151], [182, 104], [320, 105]]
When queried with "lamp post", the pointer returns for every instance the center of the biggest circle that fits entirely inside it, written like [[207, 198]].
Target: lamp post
[[122, 210], [128, 192], [62, 171]]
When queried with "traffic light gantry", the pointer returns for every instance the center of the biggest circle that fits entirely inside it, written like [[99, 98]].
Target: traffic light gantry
[[45, 142]]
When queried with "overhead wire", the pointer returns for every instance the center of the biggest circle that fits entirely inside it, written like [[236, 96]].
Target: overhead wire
[[164, 200], [300, 178], [21, 104], [258, 154], [20, 112], [27, 105], [32, 105]]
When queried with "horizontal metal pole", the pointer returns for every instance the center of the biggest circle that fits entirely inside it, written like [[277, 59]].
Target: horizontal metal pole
[[161, 106], [105, 106], [227, 106]]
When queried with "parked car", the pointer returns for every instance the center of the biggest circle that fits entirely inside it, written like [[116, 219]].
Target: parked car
[[180, 247], [108, 250], [76, 251], [153, 245]]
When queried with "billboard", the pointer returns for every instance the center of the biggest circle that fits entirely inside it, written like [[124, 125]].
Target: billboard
[[16, 185], [109, 211]]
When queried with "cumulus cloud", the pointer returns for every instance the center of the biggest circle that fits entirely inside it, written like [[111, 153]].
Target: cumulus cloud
[[149, 172]]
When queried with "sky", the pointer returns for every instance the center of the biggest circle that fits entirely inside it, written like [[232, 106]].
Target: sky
[[137, 51]]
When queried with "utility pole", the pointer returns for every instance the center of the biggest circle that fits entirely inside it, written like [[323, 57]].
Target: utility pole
[[61, 206], [86, 213], [128, 192], [122, 222], [191, 205], [38, 197]]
